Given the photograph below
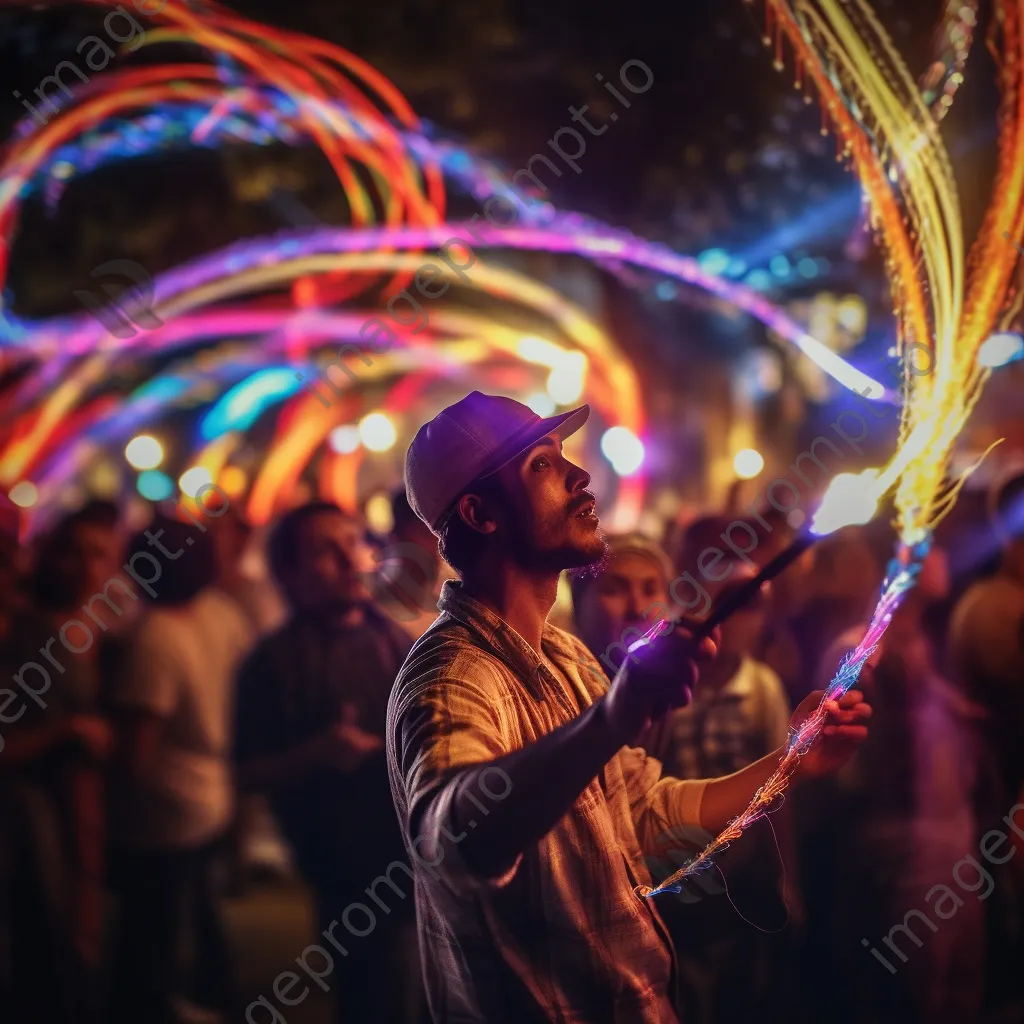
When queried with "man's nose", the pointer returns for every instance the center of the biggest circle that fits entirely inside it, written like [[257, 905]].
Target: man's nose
[[578, 478]]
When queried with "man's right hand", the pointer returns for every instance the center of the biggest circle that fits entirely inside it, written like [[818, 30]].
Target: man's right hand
[[654, 679], [345, 746]]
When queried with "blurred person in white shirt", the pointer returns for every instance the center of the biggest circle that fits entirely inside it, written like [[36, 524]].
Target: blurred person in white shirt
[[175, 708]]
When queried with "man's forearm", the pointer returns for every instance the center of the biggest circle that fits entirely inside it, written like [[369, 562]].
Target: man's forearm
[[546, 777], [727, 797]]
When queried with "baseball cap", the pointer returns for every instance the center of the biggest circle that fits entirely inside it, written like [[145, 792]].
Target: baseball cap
[[469, 440], [623, 544], [639, 544]]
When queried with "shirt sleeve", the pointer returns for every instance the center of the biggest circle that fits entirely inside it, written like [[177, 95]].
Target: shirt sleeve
[[447, 719], [151, 679], [658, 804]]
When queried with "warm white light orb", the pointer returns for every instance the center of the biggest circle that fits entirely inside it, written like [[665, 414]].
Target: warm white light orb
[[193, 480], [144, 452], [24, 494], [565, 382], [344, 440], [851, 500], [623, 449], [377, 432], [1001, 349], [748, 463], [541, 403]]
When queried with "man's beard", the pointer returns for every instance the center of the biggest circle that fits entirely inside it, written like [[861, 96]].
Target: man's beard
[[572, 557], [593, 568]]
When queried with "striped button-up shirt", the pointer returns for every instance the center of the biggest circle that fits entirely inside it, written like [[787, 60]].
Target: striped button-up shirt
[[562, 936]]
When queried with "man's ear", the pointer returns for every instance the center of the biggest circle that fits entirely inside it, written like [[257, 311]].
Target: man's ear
[[474, 513]]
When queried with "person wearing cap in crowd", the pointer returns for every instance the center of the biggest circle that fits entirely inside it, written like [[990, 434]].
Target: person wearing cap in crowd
[[615, 604], [525, 808]]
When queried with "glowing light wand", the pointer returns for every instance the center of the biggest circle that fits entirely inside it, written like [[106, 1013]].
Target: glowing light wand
[[851, 500]]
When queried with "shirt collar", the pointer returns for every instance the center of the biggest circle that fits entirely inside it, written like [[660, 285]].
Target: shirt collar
[[499, 637]]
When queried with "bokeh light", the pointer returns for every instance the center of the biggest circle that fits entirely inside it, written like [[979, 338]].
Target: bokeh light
[[748, 463], [714, 261], [377, 432], [566, 381], [542, 404], [193, 480], [154, 485], [344, 440], [378, 513], [623, 449], [104, 480], [233, 481], [1001, 349], [144, 452], [540, 350], [24, 494]]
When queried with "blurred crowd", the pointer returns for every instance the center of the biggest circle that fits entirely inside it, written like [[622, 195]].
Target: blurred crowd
[[244, 694]]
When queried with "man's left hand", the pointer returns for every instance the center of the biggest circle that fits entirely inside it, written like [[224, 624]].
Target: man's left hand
[[844, 731]]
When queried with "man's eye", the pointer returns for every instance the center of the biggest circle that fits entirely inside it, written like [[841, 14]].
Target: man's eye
[[541, 462]]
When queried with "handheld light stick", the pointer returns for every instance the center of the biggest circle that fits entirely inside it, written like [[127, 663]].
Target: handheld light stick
[[851, 500], [752, 587]]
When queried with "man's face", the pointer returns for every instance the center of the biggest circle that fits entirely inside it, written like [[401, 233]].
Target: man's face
[[549, 518], [95, 556], [230, 535], [333, 558], [631, 591]]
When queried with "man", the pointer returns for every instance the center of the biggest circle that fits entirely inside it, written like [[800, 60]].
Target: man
[[175, 798], [312, 700], [524, 892], [986, 654], [53, 767], [986, 643]]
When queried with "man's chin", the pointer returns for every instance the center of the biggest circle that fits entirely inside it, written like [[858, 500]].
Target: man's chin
[[588, 559]]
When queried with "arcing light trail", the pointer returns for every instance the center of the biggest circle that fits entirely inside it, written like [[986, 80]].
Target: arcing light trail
[[942, 299], [289, 89]]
